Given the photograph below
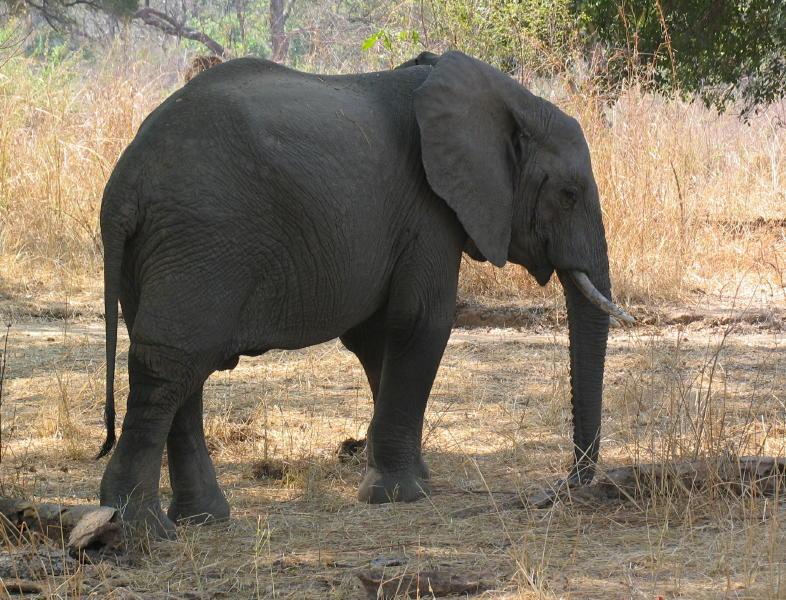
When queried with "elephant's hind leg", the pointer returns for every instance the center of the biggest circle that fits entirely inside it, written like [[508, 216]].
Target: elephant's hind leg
[[160, 379], [196, 496]]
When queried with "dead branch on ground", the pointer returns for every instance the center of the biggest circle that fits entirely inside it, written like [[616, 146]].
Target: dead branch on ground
[[742, 476], [80, 527]]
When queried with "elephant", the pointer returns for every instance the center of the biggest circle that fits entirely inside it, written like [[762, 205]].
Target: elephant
[[262, 208]]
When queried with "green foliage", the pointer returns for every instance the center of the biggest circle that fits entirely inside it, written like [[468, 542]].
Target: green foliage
[[717, 48], [248, 35], [507, 33], [721, 50], [58, 12], [55, 66], [387, 39], [396, 47]]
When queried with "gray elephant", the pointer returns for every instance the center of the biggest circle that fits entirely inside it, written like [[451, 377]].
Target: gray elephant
[[259, 207]]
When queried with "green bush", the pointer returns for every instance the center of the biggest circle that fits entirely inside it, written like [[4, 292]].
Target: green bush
[[720, 49]]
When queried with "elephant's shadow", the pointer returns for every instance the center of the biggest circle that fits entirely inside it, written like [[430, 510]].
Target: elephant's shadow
[[327, 483]]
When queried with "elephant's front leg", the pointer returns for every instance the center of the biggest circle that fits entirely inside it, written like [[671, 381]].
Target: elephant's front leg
[[367, 342], [414, 346], [196, 496]]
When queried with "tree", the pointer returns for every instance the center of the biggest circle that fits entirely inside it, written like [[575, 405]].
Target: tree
[[59, 14], [279, 41], [720, 49]]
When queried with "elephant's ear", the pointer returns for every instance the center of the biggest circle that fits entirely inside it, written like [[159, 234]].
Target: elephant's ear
[[469, 139]]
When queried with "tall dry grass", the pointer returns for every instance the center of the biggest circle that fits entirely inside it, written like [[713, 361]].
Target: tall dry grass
[[65, 123], [691, 198]]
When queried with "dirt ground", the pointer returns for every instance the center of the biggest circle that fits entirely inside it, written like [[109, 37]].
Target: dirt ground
[[497, 427]]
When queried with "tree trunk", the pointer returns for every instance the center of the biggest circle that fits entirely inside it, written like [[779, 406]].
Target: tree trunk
[[279, 42]]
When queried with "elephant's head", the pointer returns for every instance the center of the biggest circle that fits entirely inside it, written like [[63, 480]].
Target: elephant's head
[[517, 172]]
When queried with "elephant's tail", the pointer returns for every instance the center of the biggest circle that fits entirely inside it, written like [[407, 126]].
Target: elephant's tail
[[113, 260], [118, 223]]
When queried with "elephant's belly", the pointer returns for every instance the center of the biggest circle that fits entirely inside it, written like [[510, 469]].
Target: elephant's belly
[[304, 317], [319, 280]]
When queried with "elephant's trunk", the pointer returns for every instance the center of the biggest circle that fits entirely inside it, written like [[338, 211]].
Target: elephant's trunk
[[588, 328]]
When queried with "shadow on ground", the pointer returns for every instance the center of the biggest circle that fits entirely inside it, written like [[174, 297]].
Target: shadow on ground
[[498, 426]]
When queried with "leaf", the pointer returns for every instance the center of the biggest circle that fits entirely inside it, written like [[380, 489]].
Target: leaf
[[370, 41]]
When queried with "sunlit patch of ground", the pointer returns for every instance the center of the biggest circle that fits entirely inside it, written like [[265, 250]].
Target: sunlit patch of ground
[[497, 427]]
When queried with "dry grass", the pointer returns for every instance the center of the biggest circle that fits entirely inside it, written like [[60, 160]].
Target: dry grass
[[62, 131], [491, 434]]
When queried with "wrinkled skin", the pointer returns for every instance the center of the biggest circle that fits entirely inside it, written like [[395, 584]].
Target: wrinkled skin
[[259, 208]]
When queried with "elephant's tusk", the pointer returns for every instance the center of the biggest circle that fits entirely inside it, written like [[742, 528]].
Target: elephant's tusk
[[593, 295]]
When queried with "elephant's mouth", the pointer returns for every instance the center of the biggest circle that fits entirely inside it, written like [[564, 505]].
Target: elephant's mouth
[[542, 274]]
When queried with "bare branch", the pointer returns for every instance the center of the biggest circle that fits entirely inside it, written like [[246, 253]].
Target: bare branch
[[55, 13], [169, 25], [52, 17], [89, 3]]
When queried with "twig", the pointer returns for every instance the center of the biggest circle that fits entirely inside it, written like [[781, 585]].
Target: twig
[[2, 379], [410, 585]]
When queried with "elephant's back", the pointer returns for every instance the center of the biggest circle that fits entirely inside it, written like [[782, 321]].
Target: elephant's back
[[252, 140], [269, 118]]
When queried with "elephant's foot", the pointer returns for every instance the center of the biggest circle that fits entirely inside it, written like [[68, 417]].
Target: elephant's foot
[[148, 519], [203, 508], [379, 487], [140, 512]]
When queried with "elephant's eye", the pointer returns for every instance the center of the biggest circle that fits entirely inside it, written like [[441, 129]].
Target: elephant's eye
[[569, 197]]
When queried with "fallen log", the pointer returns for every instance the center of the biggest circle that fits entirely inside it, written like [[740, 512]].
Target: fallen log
[[743, 476], [19, 586], [98, 529], [78, 528]]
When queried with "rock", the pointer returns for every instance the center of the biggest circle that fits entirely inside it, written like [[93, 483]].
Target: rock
[[98, 529], [437, 583], [351, 450]]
